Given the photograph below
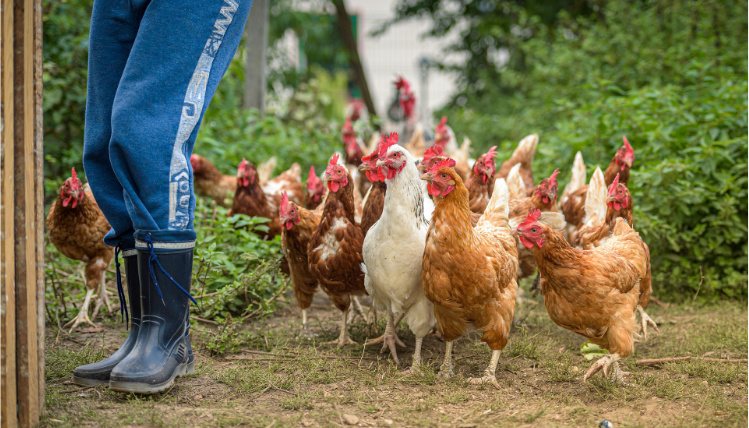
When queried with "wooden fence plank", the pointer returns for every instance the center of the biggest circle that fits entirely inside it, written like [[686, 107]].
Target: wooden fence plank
[[8, 415]]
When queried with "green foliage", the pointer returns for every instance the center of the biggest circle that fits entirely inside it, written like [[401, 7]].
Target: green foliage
[[66, 24], [233, 267]]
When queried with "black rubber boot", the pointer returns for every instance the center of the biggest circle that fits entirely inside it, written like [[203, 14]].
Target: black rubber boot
[[98, 373], [162, 351]]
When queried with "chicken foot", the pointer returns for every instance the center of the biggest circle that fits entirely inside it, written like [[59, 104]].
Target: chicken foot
[[343, 339], [306, 332], [645, 320], [490, 372], [82, 316], [416, 360], [358, 310], [607, 362], [446, 369], [103, 298], [383, 337]]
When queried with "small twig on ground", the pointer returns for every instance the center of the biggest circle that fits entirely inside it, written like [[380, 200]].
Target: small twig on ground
[[658, 302], [78, 390], [702, 277], [203, 320], [656, 361]]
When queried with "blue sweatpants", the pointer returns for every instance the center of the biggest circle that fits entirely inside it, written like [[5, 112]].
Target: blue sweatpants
[[154, 66]]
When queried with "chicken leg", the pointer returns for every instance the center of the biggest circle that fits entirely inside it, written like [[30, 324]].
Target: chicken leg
[[343, 338], [606, 363], [490, 376], [416, 360], [306, 332], [393, 331], [103, 298], [82, 316], [358, 310], [645, 320], [446, 369]]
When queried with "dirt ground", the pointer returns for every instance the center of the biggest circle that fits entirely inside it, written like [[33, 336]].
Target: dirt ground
[[279, 379]]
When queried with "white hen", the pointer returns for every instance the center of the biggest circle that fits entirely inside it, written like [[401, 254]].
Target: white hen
[[394, 247]]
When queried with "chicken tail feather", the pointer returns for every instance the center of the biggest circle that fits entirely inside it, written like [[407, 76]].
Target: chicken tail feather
[[578, 175], [595, 200], [515, 183], [498, 209]]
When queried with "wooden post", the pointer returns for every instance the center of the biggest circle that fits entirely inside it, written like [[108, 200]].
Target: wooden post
[[347, 34], [256, 41], [21, 215]]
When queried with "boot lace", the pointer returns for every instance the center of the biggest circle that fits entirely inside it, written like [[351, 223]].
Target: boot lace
[[154, 261]]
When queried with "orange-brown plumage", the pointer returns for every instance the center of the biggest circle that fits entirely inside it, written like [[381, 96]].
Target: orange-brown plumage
[[470, 273], [298, 226], [208, 182], [373, 207], [522, 155], [573, 207], [76, 228], [480, 182], [290, 182], [250, 200], [592, 293]]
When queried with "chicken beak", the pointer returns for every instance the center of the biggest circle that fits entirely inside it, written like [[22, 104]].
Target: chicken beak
[[364, 167], [421, 167], [610, 198], [427, 177], [380, 163], [325, 178]]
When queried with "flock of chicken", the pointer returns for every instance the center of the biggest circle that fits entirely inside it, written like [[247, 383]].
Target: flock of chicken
[[441, 240]]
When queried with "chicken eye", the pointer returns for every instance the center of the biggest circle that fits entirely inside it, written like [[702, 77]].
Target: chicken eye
[[621, 191], [534, 230], [444, 175]]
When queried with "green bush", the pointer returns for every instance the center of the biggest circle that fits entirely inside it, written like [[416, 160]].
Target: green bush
[[672, 82]]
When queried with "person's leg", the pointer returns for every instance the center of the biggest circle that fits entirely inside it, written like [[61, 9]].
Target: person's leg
[[114, 25], [182, 50]]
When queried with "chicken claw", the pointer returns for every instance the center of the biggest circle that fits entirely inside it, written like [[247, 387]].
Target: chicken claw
[[605, 363], [343, 339], [486, 379], [390, 338], [646, 320], [446, 369], [306, 332], [82, 316]]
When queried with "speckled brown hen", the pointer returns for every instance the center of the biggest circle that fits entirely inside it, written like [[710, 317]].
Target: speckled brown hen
[[469, 274], [298, 226], [335, 250], [76, 228]]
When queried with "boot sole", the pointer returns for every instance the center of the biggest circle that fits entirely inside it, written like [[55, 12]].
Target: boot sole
[[145, 388], [82, 381]]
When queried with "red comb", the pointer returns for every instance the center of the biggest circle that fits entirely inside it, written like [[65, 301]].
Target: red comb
[[533, 215], [312, 176], [444, 163], [553, 177], [627, 145], [387, 143], [442, 123], [334, 160], [284, 208], [431, 152], [612, 188], [75, 176], [347, 126], [401, 83]]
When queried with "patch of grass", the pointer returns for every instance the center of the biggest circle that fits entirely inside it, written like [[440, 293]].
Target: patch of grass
[[712, 372], [297, 402], [523, 345], [60, 362], [562, 370]]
